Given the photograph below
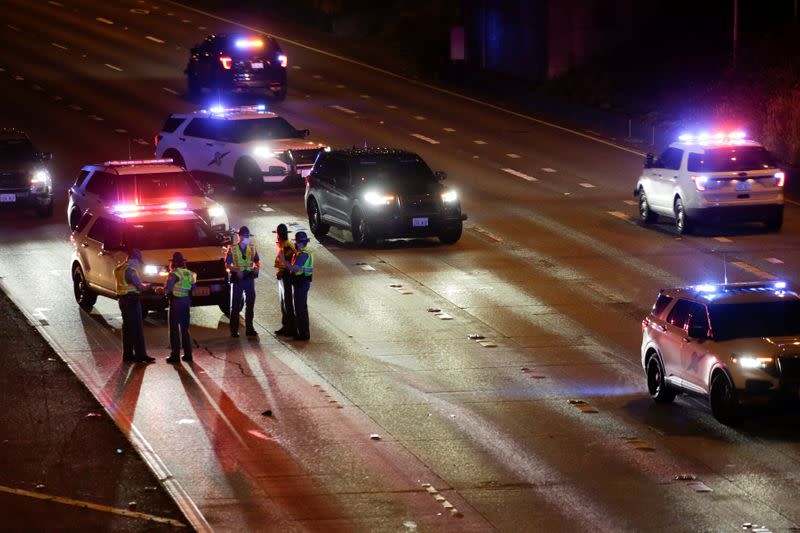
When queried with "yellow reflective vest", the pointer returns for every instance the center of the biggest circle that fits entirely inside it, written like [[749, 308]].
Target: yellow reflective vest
[[123, 287], [183, 285]]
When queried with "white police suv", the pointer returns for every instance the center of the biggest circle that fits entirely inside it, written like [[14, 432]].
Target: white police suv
[[248, 144], [103, 238], [733, 343], [707, 178], [147, 182]]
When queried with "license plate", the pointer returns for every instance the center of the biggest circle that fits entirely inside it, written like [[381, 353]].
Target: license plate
[[419, 222], [8, 197], [257, 65], [744, 186], [201, 291]]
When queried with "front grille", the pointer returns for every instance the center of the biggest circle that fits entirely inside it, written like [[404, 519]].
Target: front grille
[[305, 157], [790, 367], [14, 180], [207, 269], [420, 204]]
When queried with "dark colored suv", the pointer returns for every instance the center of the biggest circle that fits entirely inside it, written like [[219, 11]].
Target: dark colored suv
[[236, 63], [381, 193], [24, 178]]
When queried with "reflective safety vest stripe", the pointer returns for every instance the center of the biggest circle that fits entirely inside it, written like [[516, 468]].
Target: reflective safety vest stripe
[[241, 263], [307, 268], [123, 287], [186, 278]]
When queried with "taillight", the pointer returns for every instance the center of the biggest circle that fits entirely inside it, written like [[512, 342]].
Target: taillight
[[226, 62], [156, 139], [780, 178], [645, 322], [700, 182]]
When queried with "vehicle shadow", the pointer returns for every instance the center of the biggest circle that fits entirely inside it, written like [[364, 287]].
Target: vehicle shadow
[[667, 227]]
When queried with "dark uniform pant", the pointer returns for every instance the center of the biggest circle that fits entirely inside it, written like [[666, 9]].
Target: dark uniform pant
[[132, 327], [300, 289], [243, 294], [287, 305], [179, 308]]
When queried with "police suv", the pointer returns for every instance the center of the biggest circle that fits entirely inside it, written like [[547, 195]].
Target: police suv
[[248, 144], [147, 182], [103, 237], [712, 178], [733, 343]]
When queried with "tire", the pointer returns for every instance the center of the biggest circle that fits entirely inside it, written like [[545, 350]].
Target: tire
[[279, 96], [225, 304], [315, 223], [46, 211], [362, 233], [452, 235], [722, 399], [646, 215], [659, 391], [775, 222], [248, 178], [74, 218], [176, 157], [84, 296], [682, 223]]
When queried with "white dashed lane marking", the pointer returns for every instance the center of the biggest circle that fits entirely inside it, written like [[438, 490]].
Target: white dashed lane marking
[[513, 156], [343, 109], [449, 130], [548, 169], [296, 67], [518, 174], [479, 141], [121, 130], [267, 209], [620, 215], [154, 39], [171, 91], [586, 185], [419, 117], [722, 239], [75, 107], [365, 96], [113, 67], [104, 21], [61, 46], [631, 202], [390, 106], [54, 3], [341, 86], [13, 27], [754, 270], [423, 138], [317, 76], [774, 260]]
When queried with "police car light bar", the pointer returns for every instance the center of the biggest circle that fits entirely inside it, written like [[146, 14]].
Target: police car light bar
[[167, 161], [249, 43], [719, 137]]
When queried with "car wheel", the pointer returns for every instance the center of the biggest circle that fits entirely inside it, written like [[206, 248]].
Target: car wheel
[[279, 96], [682, 223], [74, 218], [248, 178], [646, 215], [656, 384], [722, 399], [45, 211], [318, 227], [84, 296], [362, 233], [451, 235], [775, 222], [176, 157]]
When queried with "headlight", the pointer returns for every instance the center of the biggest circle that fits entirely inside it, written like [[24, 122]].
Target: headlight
[[753, 362], [374, 198], [216, 211], [449, 196], [40, 180], [155, 270], [263, 151]]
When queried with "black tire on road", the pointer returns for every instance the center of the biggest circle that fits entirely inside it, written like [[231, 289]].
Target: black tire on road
[[359, 227], [84, 295], [248, 177], [657, 386], [775, 222], [451, 235], [682, 223], [722, 399], [318, 227], [646, 215]]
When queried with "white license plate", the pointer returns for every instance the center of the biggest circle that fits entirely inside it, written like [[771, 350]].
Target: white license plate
[[744, 186], [8, 197], [257, 65], [201, 291], [419, 222]]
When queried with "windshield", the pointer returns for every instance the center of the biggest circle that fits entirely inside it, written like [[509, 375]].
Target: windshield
[[763, 319], [392, 170], [166, 185], [16, 150], [178, 234], [732, 159], [258, 129]]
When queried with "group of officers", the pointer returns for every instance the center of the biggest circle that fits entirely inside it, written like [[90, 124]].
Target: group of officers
[[294, 265]]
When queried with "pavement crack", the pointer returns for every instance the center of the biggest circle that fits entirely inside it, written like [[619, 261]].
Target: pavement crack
[[226, 361]]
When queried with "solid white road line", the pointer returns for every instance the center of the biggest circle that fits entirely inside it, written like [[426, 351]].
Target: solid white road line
[[154, 39], [548, 169], [343, 109], [513, 156], [171, 91], [113, 67], [423, 138], [519, 174], [61, 46], [104, 21]]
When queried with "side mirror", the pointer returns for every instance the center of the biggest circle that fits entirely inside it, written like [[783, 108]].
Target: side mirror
[[697, 331], [648, 161], [440, 175]]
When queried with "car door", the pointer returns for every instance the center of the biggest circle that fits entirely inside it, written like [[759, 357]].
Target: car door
[[696, 361], [340, 200], [191, 143], [92, 252], [323, 185], [100, 190], [672, 340], [663, 179]]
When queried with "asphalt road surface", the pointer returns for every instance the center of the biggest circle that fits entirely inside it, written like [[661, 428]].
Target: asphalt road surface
[[552, 269]]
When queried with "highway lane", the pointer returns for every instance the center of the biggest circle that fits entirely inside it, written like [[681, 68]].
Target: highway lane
[[554, 279]]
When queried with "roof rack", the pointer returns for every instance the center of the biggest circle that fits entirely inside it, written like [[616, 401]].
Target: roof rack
[[167, 161]]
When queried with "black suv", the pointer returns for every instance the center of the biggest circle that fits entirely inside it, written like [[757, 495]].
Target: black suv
[[381, 193], [24, 178], [235, 63]]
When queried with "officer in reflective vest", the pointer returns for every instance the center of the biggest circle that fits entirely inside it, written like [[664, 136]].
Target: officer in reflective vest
[[287, 250], [129, 288], [243, 263], [179, 287], [302, 269]]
